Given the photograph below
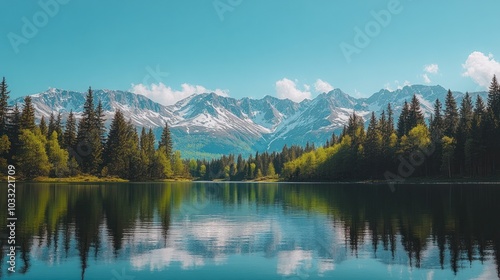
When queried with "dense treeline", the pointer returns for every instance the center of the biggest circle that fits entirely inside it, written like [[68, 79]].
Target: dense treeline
[[457, 142], [262, 165], [84, 148]]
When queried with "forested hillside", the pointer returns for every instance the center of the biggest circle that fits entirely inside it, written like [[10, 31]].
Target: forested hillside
[[460, 140]]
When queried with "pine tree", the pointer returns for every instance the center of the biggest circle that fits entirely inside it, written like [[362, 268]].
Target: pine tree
[[147, 142], [415, 116], [43, 127], [450, 121], [492, 124], [390, 120], [69, 137], [372, 147], [89, 138], [437, 125], [52, 124], [464, 133], [58, 128], [28, 115], [115, 151], [4, 109], [99, 122], [14, 130], [494, 98], [403, 120], [166, 142], [4, 151], [437, 131], [476, 149]]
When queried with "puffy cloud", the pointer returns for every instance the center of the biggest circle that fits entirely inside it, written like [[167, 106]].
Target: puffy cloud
[[481, 68], [322, 86], [431, 68], [165, 95], [286, 88]]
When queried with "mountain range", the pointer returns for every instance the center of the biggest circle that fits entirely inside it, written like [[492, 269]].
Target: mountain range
[[208, 125]]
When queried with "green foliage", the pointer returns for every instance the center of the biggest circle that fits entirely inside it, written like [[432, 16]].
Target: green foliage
[[32, 159], [178, 166], [43, 127], [450, 115], [202, 171], [162, 167], [89, 137], [4, 109], [123, 157], [28, 115], [69, 137], [403, 121], [166, 141], [415, 115], [58, 158], [448, 151], [271, 172]]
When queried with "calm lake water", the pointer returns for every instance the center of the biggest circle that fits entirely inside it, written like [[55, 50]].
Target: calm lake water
[[254, 231]]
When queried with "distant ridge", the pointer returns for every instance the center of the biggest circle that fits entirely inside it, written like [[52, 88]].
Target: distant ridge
[[208, 125]]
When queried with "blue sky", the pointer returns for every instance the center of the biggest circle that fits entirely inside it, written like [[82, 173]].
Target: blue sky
[[247, 48]]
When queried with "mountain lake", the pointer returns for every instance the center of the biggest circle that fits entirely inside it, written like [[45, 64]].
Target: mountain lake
[[224, 230]]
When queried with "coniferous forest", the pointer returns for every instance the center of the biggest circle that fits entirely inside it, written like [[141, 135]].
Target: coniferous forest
[[459, 141]]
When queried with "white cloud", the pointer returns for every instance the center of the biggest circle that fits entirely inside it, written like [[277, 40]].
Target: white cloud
[[427, 80], [286, 88], [431, 68], [481, 68], [322, 86], [165, 95]]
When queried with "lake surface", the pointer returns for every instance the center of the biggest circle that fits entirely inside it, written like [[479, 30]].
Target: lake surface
[[149, 231]]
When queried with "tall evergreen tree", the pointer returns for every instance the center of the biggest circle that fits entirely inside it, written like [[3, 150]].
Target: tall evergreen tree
[[372, 147], [89, 138], [437, 125], [122, 152], [43, 127], [58, 127], [415, 116], [403, 123], [28, 114], [4, 109], [390, 120], [464, 132], [494, 98], [114, 151], [147, 143], [450, 122], [14, 130], [437, 131], [99, 122], [476, 149], [52, 124], [69, 137], [166, 141]]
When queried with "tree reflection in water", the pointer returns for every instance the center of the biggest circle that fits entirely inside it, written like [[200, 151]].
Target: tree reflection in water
[[90, 220]]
